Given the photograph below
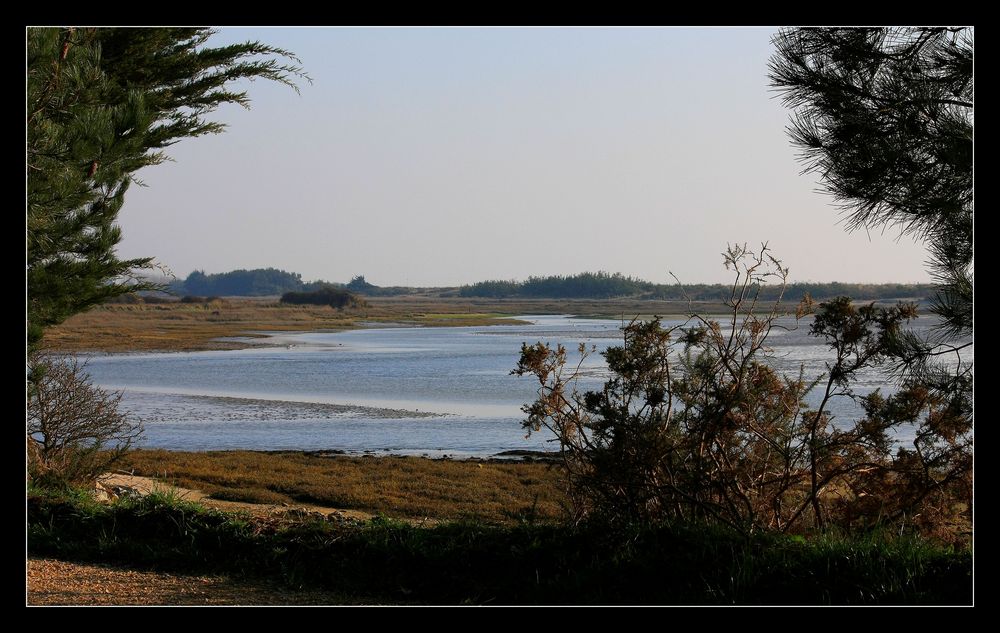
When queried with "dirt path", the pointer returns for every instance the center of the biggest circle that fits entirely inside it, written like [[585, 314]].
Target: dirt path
[[55, 582], [145, 485]]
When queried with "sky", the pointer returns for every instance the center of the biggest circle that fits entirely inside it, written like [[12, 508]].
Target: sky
[[440, 157]]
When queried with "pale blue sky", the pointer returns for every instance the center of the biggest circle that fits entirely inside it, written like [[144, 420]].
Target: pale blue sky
[[438, 157]]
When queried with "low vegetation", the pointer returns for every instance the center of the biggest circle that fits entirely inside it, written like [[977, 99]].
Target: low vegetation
[[471, 563], [324, 296], [262, 282], [602, 285], [75, 430], [267, 282], [694, 424], [493, 492], [259, 282]]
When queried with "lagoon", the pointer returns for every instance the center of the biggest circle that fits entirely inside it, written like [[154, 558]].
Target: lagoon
[[388, 390]]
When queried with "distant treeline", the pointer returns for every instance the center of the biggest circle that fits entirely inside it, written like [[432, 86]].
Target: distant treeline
[[603, 285], [358, 285], [244, 283], [600, 285], [262, 282]]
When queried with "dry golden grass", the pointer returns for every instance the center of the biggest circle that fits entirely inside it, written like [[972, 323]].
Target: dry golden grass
[[179, 326], [400, 487], [185, 326]]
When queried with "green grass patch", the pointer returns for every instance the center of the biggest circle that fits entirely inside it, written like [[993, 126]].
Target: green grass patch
[[473, 563]]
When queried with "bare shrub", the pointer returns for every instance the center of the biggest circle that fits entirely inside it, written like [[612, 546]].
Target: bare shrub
[[692, 423], [696, 424], [75, 430]]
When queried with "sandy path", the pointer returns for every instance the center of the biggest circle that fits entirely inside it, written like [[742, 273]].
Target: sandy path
[[55, 582], [145, 485]]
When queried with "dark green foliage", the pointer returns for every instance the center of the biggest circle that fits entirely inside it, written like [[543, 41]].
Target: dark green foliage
[[264, 282], [311, 286], [102, 104], [358, 284], [361, 286], [474, 564], [604, 286], [795, 292], [495, 289], [885, 116], [85, 136], [181, 79], [325, 296], [600, 285], [260, 282]]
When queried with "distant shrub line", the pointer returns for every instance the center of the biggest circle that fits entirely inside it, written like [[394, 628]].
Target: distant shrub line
[[263, 282], [602, 285], [255, 283], [325, 296]]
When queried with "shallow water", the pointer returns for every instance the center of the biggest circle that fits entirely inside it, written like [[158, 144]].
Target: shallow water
[[417, 391]]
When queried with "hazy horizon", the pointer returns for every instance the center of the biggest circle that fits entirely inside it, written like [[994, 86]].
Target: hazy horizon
[[441, 157], [158, 277]]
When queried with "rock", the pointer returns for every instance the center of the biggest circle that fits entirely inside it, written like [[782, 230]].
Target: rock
[[126, 492], [103, 493]]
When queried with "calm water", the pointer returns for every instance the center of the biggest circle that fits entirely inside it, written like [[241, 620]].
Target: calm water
[[399, 390]]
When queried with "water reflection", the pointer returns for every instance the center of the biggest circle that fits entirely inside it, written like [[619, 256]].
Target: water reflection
[[401, 390]]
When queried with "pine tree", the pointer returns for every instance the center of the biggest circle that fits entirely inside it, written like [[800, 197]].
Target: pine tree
[[885, 117], [101, 105]]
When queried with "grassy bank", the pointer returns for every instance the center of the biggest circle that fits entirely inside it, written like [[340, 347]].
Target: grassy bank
[[470, 563], [401, 487], [179, 326]]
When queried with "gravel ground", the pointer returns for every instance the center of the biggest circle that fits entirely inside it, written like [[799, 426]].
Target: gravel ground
[[54, 582]]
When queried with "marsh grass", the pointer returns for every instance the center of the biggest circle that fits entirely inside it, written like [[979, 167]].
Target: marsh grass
[[176, 326], [184, 326], [404, 487]]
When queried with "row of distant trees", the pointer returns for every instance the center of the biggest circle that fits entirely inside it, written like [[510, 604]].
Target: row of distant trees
[[599, 285], [255, 283], [324, 296], [262, 282], [602, 285]]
